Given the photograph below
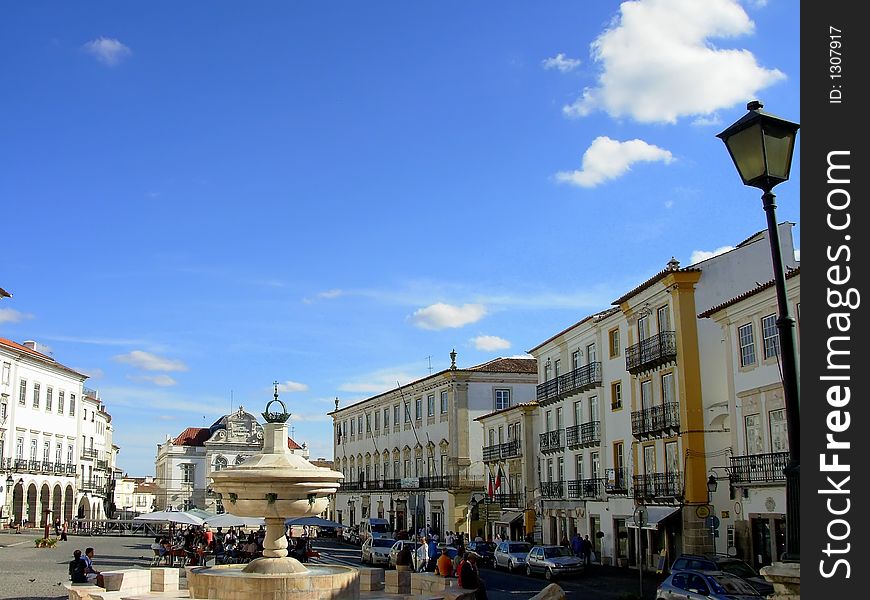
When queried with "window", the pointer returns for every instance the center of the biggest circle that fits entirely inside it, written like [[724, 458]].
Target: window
[[353, 427], [672, 458], [747, 345], [548, 420], [359, 424], [396, 413], [386, 419], [407, 413], [407, 467], [591, 354], [60, 402], [418, 408], [377, 420], [560, 469], [549, 469], [668, 394], [649, 459], [770, 336], [616, 395], [663, 316], [187, 471], [578, 412], [3, 411], [444, 402], [430, 405], [642, 328], [575, 359], [618, 457], [33, 446], [558, 417], [595, 458], [613, 337], [502, 399], [492, 437], [578, 462], [58, 453], [754, 441], [35, 395], [778, 431], [22, 391], [396, 473], [547, 370], [19, 448], [368, 423], [69, 454], [7, 371], [558, 367], [46, 450], [646, 398], [49, 392], [593, 409]]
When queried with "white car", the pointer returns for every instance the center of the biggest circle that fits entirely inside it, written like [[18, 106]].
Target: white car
[[510, 555], [394, 551], [376, 551]]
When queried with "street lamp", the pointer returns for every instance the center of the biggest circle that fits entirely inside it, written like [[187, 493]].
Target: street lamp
[[7, 501], [762, 146]]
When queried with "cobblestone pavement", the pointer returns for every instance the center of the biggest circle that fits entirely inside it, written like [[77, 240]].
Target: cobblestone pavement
[[30, 572]]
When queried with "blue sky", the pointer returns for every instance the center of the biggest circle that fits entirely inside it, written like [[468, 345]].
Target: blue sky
[[202, 198]]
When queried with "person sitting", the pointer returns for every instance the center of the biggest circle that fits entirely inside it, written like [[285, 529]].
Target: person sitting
[[445, 565], [77, 568], [469, 576], [403, 558], [91, 574]]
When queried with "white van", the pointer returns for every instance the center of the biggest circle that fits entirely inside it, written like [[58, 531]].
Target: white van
[[376, 528]]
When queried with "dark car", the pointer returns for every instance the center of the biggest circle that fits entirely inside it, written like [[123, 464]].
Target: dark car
[[327, 532], [484, 550], [710, 585], [726, 564]]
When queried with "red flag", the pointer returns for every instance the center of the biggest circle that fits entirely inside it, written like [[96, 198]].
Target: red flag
[[498, 479], [491, 494]]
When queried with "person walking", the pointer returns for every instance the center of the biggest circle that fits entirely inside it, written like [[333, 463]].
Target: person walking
[[577, 545], [432, 554], [586, 551], [64, 529]]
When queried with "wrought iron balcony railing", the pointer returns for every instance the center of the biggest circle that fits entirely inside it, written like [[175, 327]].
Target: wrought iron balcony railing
[[552, 441], [758, 468], [655, 421], [90, 453], [504, 451], [654, 351], [616, 482], [585, 434], [506, 500], [658, 486], [579, 380], [585, 488], [553, 489]]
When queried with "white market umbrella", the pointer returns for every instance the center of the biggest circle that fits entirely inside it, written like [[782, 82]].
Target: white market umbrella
[[231, 520], [173, 516]]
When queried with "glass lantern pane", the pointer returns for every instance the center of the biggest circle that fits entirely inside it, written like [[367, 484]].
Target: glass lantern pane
[[778, 145], [746, 150]]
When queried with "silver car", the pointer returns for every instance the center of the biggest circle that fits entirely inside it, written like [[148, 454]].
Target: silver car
[[376, 551], [510, 555], [552, 561], [708, 585], [394, 552]]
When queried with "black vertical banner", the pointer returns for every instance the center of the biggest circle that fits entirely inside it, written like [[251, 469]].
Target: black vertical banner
[[834, 267]]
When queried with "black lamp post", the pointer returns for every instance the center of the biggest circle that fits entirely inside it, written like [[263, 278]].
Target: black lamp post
[[762, 146]]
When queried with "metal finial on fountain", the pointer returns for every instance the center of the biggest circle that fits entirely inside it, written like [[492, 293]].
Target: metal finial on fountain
[[276, 417]]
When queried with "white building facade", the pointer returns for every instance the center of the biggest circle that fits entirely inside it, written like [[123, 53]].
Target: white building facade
[[413, 455]]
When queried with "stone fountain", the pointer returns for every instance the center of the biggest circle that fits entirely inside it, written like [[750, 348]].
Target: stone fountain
[[275, 484]]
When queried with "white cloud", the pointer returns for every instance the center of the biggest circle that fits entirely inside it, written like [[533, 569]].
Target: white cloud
[[608, 159], [669, 203], [658, 63], [10, 315], [292, 386], [444, 316], [561, 62], [330, 294], [108, 51], [707, 120], [150, 362], [161, 380], [94, 373], [699, 255], [490, 343]]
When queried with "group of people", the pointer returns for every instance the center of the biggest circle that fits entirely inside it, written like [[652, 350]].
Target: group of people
[[194, 543], [430, 559], [581, 547], [81, 568]]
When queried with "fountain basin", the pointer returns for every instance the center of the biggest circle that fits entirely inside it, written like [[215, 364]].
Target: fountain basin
[[229, 582]]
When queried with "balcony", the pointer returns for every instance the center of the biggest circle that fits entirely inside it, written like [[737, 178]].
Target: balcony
[[552, 441], [616, 482], [758, 468], [585, 434], [93, 486], [656, 421], [103, 465], [90, 453], [579, 380], [507, 500], [349, 486], [658, 486], [655, 351], [498, 452], [552, 489], [585, 488]]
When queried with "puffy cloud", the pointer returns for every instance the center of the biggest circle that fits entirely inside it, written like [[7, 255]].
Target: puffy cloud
[[561, 63], [10, 315], [658, 63], [608, 159], [292, 386], [699, 255], [444, 316], [490, 343], [108, 51], [150, 362], [161, 380]]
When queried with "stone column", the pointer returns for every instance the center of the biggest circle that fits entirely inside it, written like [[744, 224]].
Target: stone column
[[786, 580]]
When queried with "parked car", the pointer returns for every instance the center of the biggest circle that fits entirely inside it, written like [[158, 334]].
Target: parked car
[[484, 550], [553, 562], [394, 551], [713, 585], [373, 528], [327, 532], [376, 551], [511, 555], [726, 564]]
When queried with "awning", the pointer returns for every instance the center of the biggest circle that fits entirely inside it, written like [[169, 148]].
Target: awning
[[509, 517], [655, 515]]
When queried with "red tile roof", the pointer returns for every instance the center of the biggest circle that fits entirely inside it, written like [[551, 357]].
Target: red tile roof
[[293, 445], [38, 355], [509, 365], [649, 282], [193, 436]]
